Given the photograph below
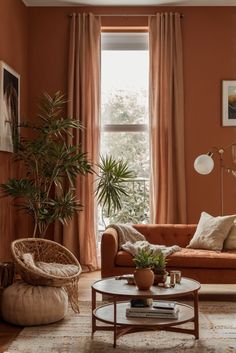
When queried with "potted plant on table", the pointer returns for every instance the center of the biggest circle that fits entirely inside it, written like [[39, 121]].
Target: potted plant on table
[[143, 275], [159, 268]]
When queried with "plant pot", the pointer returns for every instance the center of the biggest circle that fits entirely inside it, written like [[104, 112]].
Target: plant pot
[[144, 278], [160, 277]]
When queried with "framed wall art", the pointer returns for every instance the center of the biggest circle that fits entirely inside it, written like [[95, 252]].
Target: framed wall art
[[229, 103], [9, 108]]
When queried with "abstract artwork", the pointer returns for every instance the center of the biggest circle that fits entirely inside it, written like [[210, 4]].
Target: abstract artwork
[[229, 103], [9, 108]]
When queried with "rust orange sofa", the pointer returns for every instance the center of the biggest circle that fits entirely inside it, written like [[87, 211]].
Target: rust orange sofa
[[203, 265]]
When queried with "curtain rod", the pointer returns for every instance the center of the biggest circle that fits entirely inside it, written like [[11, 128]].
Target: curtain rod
[[127, 15]]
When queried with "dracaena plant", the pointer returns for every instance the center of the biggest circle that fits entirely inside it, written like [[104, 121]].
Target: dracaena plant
[[51, 167], [111, 184]]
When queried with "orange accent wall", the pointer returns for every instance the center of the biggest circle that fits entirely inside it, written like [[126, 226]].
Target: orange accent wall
[[14, 46], [34, 41], [209, 57]]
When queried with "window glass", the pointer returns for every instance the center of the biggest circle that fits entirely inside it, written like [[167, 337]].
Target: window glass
[[124, 116]]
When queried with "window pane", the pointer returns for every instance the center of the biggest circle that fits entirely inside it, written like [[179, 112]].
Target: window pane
[[131, 146], [124, 87], [124, 119]]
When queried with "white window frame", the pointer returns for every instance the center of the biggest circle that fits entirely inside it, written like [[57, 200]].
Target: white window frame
[[124, 41]]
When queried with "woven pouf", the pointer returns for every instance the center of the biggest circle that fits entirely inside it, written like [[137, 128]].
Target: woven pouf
[[26, 305]]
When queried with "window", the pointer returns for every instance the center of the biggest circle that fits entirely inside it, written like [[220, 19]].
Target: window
[[124, 116]]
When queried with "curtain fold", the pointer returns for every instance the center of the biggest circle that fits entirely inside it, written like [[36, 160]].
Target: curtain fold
[[84, 104], [168, 186]]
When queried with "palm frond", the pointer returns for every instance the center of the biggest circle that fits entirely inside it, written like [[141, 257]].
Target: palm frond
[[19, 188], [111, 182], [49, 162]]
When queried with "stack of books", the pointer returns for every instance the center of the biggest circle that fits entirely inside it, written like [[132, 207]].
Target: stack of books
[[153, 309]]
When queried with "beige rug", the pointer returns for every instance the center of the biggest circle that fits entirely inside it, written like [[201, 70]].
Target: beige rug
[[73, 335]]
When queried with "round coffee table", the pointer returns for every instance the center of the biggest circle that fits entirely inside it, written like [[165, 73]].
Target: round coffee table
[[120, 293]]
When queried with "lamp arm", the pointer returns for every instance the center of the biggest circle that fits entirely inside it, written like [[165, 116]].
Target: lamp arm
[[221, 150], [205, 158], [222, 181]]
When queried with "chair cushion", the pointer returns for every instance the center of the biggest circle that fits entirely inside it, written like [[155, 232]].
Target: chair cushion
[[50, 268], [55, 269]]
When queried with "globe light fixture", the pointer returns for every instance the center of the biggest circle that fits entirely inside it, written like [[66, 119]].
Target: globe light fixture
[[204, 164]]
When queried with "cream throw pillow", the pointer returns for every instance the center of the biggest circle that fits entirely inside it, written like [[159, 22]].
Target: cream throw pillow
[[51, 268], [230, 241], [211, 232], [55, 269]]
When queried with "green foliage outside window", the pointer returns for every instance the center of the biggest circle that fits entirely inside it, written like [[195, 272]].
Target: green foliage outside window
[[123, 108]]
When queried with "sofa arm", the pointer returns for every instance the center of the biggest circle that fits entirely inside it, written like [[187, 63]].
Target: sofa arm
[[109, 249]]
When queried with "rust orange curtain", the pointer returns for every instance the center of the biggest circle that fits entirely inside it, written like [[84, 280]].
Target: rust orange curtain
[[168, 189], [84, 104]]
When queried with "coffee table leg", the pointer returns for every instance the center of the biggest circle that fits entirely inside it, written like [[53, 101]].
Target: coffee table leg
[[115, 318], [93, 307], [196, 319]]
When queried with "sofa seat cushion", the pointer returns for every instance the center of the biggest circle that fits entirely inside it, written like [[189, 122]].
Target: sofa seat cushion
[[123, 258], [196, 258], [193, 258]]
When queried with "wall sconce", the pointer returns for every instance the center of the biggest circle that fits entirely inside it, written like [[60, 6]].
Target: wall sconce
[[204, 164]]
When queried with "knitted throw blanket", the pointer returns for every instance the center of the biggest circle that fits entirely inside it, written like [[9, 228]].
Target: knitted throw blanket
[[134, 248], [130, 240], [126, 233]]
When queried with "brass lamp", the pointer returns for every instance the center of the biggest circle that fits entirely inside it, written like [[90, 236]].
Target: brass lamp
[[204, 164]]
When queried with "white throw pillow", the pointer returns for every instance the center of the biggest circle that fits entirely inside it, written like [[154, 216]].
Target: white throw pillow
[[230, 241], [211, 232]]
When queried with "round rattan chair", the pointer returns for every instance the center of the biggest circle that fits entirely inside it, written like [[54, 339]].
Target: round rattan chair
[[50, 252]]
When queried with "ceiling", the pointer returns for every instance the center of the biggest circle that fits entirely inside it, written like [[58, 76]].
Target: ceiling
[[130, 2]]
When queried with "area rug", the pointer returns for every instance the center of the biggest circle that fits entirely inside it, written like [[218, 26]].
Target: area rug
[[73, 335]]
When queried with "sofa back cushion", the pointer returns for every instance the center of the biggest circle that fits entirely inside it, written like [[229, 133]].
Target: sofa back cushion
[[167, 234], [230, 241], [211, 232]]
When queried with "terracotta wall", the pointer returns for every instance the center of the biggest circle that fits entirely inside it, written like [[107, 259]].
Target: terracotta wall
[[14, 32], [209, 57], [34, 41], [209, 50]]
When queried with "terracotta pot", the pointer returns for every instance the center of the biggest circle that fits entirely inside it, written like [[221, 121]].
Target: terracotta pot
[[160, 278], [144, 278]]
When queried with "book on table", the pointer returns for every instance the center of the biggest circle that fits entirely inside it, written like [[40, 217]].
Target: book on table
[[158, 309], [145, 304], [173, 316], [141, 302]]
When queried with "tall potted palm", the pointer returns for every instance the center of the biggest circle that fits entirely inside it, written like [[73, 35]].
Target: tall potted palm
[[51, 166], [47, 191]]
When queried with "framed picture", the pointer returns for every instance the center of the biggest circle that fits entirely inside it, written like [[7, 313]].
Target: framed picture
[[9, 108], [229, 103]]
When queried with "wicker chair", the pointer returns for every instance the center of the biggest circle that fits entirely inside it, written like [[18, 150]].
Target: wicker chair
[[50, 252]]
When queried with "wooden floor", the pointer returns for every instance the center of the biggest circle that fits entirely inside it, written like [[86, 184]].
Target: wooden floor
[[207, 292]]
